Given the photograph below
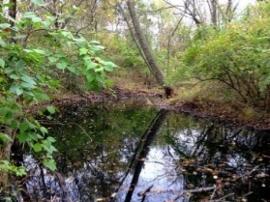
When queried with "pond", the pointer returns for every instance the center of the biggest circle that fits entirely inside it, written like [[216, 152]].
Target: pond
[[127, 153]]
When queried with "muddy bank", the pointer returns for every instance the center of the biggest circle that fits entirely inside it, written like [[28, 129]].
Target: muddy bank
[[209, 110]]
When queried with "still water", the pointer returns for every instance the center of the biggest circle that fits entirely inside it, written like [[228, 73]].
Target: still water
[[123, 154]]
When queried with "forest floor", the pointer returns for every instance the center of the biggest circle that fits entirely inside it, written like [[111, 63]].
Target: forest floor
[[143, 94]]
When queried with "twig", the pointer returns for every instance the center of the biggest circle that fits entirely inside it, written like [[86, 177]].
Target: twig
[[213, 194], [222, 199], [198, 190], [247, 194], [143, 194]]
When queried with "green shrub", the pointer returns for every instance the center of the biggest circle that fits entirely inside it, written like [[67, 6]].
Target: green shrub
[[237, 56], [26, 67]]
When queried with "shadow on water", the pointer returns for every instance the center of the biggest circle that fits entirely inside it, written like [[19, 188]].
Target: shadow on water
[[128, 154]]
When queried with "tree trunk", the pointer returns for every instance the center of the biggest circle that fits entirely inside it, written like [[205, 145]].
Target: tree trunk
[[145, 49], [214, 15], [12, 11], [132, 33]]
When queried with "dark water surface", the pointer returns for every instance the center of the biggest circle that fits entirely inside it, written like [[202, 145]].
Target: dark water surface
[[140, 154]]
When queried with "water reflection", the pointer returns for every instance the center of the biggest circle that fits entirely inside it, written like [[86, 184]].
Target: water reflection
[[141, 153], [132, 154]]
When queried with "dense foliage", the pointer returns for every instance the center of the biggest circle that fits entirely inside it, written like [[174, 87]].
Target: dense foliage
[[237, 55], [28, 65]]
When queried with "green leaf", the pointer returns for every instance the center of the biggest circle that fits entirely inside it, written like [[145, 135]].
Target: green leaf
[[43, 130], [90, 78], [4, 25], [49, 21], [48, 147], [37, 147], [73, 70], [51, 109], [39, 51], [23, 137], [6, 166], [16, 90], [61, 65], [93, 42], [53, 59], [38, 2], [40, 95], [49, 163], [2, 63], [81, 41], [51, 139], [83, 51], [66, 33], [29, 80], [2, 42], [14, 76], [99, 69], [32, 16], [109, 66], [90, 65], [5, 138], [97, 48], [28, 86]]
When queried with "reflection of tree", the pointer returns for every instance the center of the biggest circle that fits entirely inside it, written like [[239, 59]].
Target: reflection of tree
[[227, 158], [106, 131], [100, 148], [143, 150], [95, 146]]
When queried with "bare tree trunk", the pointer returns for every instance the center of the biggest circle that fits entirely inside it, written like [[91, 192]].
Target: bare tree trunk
[[141, 38], [214, 12], [230, 10], [192, 10], [229, 7], [213, 8]]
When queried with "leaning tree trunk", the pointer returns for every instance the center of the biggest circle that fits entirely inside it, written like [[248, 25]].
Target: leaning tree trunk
[[143, 45], [132, 33]]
